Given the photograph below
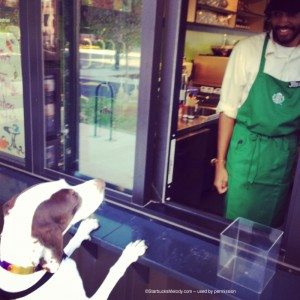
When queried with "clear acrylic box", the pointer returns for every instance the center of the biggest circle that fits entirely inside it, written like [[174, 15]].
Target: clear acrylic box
[[248, 254]]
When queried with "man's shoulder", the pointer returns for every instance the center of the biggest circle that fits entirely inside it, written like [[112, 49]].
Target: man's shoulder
[[252, 41]]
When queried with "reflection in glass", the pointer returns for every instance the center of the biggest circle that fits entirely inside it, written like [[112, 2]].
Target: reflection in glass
[[109, 78], [105, 69]]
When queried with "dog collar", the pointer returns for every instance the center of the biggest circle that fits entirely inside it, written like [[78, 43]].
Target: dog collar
[[18, 269], [15, 295]]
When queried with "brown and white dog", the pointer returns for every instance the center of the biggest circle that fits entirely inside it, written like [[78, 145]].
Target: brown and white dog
[[31, 246]]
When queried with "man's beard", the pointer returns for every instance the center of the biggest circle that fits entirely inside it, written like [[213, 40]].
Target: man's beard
[[285, 35]]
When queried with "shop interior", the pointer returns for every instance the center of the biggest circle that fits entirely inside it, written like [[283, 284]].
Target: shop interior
[[212, 29]]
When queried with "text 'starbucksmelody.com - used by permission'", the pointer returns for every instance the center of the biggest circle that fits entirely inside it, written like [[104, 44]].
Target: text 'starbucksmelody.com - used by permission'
[[196, 291]]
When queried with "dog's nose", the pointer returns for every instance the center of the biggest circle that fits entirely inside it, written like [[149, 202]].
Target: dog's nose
[[100, 184]]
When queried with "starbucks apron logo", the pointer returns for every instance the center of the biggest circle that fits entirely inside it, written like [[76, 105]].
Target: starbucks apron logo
[[278, 98]]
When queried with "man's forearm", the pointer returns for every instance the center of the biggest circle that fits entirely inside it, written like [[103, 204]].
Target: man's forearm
[[226, 125], [225, 132]]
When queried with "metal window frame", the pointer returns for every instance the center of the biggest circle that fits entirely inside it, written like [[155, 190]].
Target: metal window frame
[[170, 76], [149, 106], [35, 85], [73, 109], [151, 28], [25, 22], [292, 237]]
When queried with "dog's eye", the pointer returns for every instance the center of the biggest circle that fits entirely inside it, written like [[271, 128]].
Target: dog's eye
[[59, 219]]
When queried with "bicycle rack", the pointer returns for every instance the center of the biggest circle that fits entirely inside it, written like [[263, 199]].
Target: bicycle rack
[[102, 84]]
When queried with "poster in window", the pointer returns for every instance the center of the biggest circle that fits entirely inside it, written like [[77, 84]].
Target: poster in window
[[12, 140], [9, 3], [121, 5], [50, 29]]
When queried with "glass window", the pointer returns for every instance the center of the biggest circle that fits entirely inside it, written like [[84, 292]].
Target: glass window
[[12, 141], [91, 87]]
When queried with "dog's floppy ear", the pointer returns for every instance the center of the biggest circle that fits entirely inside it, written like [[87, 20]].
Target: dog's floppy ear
[[50, 236], [52, 217]]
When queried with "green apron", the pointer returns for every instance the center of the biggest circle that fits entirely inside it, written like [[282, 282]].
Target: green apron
[[263, 150]]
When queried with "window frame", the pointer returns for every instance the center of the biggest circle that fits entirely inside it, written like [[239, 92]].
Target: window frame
[[151, 45], [151, 25]]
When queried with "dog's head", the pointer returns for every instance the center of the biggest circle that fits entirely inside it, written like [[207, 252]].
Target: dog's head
[[36, 220]]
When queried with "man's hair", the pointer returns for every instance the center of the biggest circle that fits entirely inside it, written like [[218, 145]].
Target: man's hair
[[289, 6]]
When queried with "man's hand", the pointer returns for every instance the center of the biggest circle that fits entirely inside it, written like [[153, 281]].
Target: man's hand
[[221, 178]]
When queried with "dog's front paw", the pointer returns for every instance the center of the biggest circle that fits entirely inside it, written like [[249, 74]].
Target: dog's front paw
[[85, 228], [133, 250]]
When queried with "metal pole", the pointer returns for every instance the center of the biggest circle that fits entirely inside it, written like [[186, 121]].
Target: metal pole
[[96, 108], [111, 107], [111, 110]]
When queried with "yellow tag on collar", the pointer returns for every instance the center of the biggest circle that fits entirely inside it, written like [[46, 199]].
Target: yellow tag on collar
[[20, 270]]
